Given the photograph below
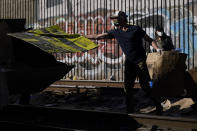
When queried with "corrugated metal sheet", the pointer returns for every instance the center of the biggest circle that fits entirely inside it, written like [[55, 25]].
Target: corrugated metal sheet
[[54, 39]]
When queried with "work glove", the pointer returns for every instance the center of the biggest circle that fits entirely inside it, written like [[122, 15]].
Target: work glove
[[158, 50]]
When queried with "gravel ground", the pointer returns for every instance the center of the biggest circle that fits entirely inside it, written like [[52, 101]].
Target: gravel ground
[[113, 102], [109, 101]]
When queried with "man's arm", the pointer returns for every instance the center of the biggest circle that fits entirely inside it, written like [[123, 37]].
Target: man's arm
[[154, 45], [150, 40], [98, 36]]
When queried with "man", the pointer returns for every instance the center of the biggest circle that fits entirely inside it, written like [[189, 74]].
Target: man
[[163, 41], [130, 38]]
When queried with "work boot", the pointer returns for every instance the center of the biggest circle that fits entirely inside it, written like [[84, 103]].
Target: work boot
[[159, 108], [152, 109]]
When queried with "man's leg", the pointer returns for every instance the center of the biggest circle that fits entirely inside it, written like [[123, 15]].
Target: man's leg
[[144, 79], [129, 79]]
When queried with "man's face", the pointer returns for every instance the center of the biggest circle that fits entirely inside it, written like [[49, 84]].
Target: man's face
[[159, 33], [120, 19]]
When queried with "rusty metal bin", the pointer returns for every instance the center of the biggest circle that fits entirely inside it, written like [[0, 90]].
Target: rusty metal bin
[[167, 70], [30, 69]]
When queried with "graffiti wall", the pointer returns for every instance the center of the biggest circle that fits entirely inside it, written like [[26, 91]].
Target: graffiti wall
[[178, 17]]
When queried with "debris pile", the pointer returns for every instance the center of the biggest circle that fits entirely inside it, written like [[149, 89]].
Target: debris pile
[[93, 100]]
